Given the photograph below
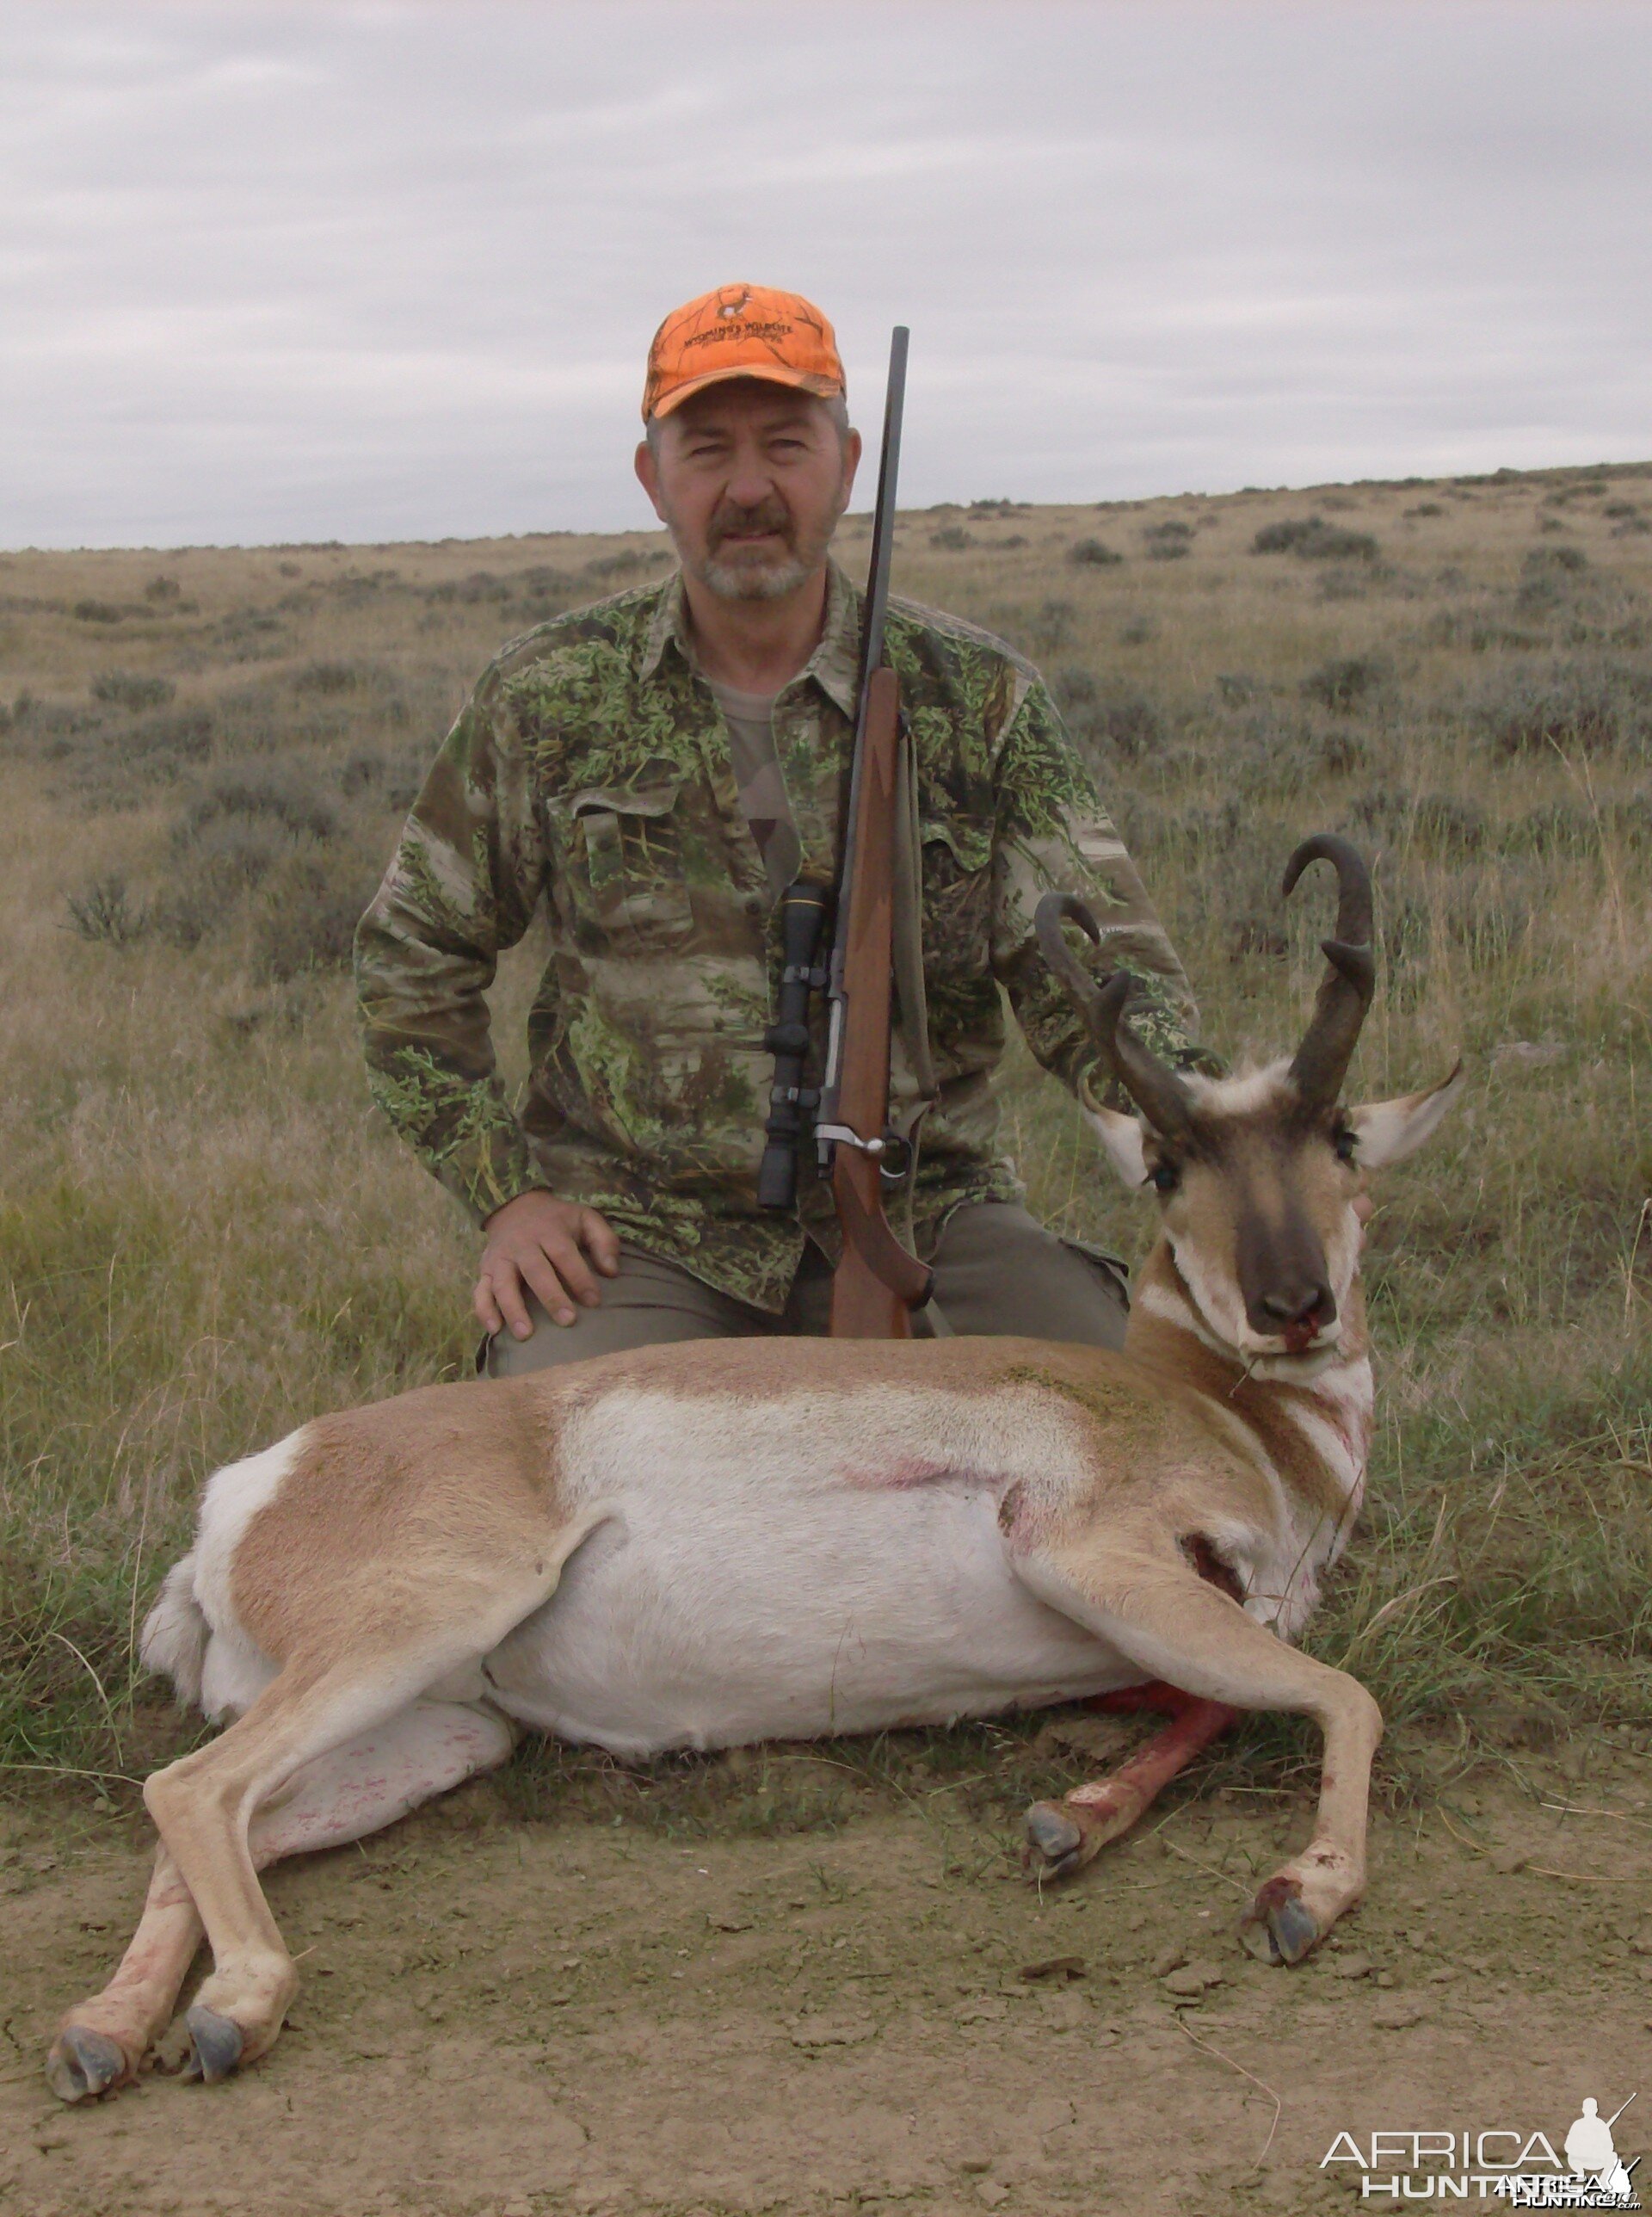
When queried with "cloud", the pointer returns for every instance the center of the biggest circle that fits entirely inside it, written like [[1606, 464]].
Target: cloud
[[370, 271]]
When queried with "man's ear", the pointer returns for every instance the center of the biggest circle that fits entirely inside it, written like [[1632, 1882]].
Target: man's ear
[[648, 475], [1388, 1131], [851, 464], [1121, 1138]]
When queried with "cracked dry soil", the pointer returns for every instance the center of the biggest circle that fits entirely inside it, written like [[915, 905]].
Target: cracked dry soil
[[509, 2019]]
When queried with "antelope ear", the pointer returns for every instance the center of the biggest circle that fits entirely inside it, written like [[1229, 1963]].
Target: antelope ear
[[1121, 1139], [1388, 1131]]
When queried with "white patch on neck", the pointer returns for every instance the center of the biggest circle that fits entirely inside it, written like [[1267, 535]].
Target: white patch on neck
[[1281, 1565]]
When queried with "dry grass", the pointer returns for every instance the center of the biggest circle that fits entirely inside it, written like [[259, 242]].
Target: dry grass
[[207, 1235]]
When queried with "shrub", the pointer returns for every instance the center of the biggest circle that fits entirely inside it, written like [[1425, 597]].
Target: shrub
[[1049, 626], [162, 743], [281, 793], [1380, 816], [627, 561], [951, 538], [1586, 707], [1234, 687], [1168, 542], [1315, 541], [211, 879], [480, 585], [1426, 508], [1341, 752], [1093, 552], [1449, 826], [391, 781], [1126, 723], [102, 612], [1343, 683], [1544, 561], [329, 678], [307, 918], [163, 588], [104, 913], [122, 689]]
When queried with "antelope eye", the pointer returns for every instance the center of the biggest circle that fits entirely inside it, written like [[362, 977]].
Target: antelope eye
[[1345, 1143], [1165, 1178]]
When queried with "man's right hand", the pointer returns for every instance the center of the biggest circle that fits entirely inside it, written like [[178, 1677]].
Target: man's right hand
[[540, 1243]]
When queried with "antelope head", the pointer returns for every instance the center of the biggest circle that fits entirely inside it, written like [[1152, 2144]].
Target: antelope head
[[1257, 1177]]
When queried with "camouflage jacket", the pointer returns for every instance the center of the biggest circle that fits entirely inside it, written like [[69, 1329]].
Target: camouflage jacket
[[591, 766]]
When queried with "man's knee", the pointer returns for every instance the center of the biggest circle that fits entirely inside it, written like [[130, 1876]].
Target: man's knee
[[650, 1303], [998, 1271]]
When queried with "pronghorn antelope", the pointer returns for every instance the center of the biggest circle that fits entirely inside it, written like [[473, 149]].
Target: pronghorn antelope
[[696, 1546]]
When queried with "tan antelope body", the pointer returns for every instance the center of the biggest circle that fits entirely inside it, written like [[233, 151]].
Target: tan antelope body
[[701, 1544]]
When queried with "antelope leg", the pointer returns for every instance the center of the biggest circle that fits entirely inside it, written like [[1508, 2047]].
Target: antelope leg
[[358, 1789], [1176, 1626], [1062, 1835]]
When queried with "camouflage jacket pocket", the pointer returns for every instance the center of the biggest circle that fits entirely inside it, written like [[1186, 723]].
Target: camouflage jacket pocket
[[957, 894], [625, 865]]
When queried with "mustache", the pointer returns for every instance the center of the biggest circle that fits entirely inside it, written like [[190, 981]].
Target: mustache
[[766, 516]]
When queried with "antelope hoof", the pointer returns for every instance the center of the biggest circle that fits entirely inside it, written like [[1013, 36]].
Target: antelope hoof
[[1278, 1927], [1055, 1841], [84, 2064], [216, 2046]]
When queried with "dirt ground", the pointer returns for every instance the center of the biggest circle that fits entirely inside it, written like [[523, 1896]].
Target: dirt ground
[[504, 2018]]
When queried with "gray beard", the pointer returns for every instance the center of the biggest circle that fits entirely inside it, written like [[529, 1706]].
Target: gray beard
[[755, 581]]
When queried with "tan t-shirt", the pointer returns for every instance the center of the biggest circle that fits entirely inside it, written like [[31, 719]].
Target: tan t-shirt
[[750, 720]]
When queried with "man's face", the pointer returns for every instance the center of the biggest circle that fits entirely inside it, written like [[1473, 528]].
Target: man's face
[[751, 479]]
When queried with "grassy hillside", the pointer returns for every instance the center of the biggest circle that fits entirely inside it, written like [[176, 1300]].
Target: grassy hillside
[[206, 1234]]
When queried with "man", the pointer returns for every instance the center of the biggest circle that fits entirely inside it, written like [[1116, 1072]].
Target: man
[[658, 767]]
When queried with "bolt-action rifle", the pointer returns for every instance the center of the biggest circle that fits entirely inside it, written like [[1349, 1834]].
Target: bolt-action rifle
[[877, 1284]]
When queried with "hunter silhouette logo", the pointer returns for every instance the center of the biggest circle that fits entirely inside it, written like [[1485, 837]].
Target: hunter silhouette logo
[[1591, 2152]]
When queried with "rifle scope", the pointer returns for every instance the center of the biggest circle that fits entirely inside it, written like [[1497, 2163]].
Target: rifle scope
[[803, 910]]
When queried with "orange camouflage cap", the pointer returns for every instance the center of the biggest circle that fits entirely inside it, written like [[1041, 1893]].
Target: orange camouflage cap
[[742, 331]]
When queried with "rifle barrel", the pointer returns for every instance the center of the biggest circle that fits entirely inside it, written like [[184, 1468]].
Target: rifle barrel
[[871, 654]]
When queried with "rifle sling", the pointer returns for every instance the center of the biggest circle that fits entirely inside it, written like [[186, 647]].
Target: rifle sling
[[907, 950], [912, 1003], [906, 959]]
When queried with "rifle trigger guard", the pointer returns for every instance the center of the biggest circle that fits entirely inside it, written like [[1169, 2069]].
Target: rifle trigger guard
[[895, 1164]]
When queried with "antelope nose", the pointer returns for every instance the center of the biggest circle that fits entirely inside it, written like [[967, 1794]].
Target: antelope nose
[[1303, 1305]]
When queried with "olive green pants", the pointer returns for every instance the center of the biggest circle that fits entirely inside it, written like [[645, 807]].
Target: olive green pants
[[997, 1271]]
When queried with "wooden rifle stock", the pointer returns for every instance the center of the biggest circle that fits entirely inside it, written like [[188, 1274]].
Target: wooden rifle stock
[[876, 1282]]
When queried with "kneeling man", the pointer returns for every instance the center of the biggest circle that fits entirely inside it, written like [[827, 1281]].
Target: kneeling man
[[658, 767]]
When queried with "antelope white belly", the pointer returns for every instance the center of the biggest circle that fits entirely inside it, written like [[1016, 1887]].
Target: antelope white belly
[[724, 1602]]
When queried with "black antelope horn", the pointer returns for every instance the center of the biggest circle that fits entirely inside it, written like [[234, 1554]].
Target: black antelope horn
[[1322, 1060], [1156, 1089]]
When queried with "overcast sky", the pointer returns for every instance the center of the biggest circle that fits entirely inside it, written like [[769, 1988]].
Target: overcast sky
[[385, 270]]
